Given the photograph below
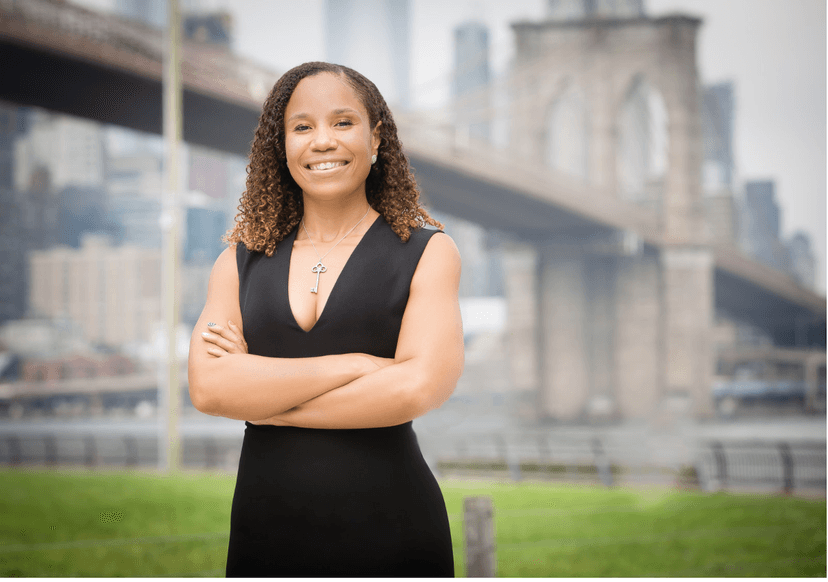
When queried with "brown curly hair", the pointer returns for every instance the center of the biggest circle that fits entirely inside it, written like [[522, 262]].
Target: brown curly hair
[[272, 205]]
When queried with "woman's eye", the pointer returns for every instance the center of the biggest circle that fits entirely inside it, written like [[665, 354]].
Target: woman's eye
[[344, 122], [301, 128]]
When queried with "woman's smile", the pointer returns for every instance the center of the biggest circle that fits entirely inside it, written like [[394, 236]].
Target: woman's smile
[[325, 166]]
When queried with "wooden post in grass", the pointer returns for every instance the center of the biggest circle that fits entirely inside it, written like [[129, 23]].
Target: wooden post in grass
[[478, 522]]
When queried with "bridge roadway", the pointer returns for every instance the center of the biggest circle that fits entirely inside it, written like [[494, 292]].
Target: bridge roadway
[[68, 59]]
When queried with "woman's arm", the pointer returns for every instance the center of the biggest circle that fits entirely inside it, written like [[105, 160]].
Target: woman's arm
[[428, 362], [248, 387]]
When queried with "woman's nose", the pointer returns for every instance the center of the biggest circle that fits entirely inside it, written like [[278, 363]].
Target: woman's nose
[[323, 139]]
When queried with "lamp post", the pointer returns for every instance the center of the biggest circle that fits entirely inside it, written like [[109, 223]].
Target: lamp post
[[169, 443]]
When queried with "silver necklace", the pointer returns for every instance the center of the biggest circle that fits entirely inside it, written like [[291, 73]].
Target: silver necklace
[[319, 268]]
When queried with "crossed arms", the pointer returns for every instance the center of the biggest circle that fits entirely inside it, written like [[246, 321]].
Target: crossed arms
[[338, 391]]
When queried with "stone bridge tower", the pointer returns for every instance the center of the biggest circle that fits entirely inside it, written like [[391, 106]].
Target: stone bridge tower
[[623, 330]]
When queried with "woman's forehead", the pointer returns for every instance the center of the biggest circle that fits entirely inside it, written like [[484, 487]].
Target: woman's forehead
[[322, 93]]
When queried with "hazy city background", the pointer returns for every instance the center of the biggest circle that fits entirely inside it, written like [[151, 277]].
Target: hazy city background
[[643, 238]]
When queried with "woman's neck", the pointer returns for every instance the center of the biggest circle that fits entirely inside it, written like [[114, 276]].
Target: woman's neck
[[330, 220]]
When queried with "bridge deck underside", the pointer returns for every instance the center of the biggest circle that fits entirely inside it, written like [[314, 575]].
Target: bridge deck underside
[[494, 206], [95, 91], [788, 323]]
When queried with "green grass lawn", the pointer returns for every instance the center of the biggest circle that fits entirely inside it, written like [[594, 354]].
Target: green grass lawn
[[140, 524]]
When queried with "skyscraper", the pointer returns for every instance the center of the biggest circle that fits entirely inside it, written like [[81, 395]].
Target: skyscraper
[[717, 132], [470, 82], [12, 247], [581, 9], [372, 37], [71, 149], [205, 226], [759, 228], [152, 12], [135, 183], [28, 212], [802, 259], [717, 109]]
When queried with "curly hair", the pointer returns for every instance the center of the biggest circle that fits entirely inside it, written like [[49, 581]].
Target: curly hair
[[272, 205]]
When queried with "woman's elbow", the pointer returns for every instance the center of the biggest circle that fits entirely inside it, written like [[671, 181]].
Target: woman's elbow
[[202, 394], [431, 391]]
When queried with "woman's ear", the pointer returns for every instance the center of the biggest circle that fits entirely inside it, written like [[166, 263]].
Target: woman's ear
[[375, 138]]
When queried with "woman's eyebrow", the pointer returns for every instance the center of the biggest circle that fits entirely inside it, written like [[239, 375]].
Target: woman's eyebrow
[[296, 116], [341, 111]]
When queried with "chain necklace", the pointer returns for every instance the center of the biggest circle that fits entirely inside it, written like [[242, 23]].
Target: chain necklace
[[320, 268]]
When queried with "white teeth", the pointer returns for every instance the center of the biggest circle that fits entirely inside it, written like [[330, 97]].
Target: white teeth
[[326, 165]]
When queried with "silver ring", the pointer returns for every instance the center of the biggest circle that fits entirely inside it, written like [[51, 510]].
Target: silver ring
[[210, 324]]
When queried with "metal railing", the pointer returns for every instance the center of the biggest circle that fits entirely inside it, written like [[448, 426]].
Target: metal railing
[[767, 466], [126, 450], [780, 466]]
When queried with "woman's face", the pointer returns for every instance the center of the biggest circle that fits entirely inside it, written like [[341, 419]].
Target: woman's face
[[328, 138]]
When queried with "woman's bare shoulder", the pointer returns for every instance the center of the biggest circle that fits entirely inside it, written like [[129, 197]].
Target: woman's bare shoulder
[[442, 248], [440, 262], [225, 270]]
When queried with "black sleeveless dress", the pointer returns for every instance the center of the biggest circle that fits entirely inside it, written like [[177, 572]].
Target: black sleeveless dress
[[313, 502]]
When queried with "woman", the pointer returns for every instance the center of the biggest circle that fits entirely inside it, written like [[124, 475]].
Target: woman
[[342, 326]]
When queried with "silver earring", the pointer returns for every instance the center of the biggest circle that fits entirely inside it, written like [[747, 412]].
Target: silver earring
[[373, 159]]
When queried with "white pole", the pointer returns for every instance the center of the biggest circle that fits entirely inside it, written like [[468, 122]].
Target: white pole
[[169, 444]]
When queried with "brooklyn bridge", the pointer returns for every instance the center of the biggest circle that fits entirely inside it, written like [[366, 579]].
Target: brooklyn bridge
[[612, 285]]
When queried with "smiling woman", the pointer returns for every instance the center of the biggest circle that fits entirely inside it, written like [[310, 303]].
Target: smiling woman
[[342, 326]]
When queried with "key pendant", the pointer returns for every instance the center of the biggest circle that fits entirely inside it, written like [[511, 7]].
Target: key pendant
[[318, 269]]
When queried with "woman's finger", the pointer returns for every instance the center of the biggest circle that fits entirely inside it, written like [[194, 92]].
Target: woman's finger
[[238, 333], [223, 331], [221, 342], [217, 352], [233, 337]]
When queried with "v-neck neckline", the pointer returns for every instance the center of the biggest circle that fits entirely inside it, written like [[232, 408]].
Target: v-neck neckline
[[336, 283]]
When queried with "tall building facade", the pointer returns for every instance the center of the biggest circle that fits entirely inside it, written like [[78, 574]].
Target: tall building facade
[[470, 81], [151, 12], [135, 184], [13, 242], [28, 211], [759, 230], [584, 9], [71, 149], [215, 28], [718, 169], [112, 293], [204, 228], [717, 128], [374, 38], [803, 263]]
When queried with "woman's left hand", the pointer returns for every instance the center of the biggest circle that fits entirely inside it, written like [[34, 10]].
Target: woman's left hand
[[224, 340]]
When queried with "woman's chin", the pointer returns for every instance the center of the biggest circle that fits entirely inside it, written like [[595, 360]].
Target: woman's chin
[[333, 192]]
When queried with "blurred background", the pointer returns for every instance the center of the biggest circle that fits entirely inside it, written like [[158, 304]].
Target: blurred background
[[637, 189]]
